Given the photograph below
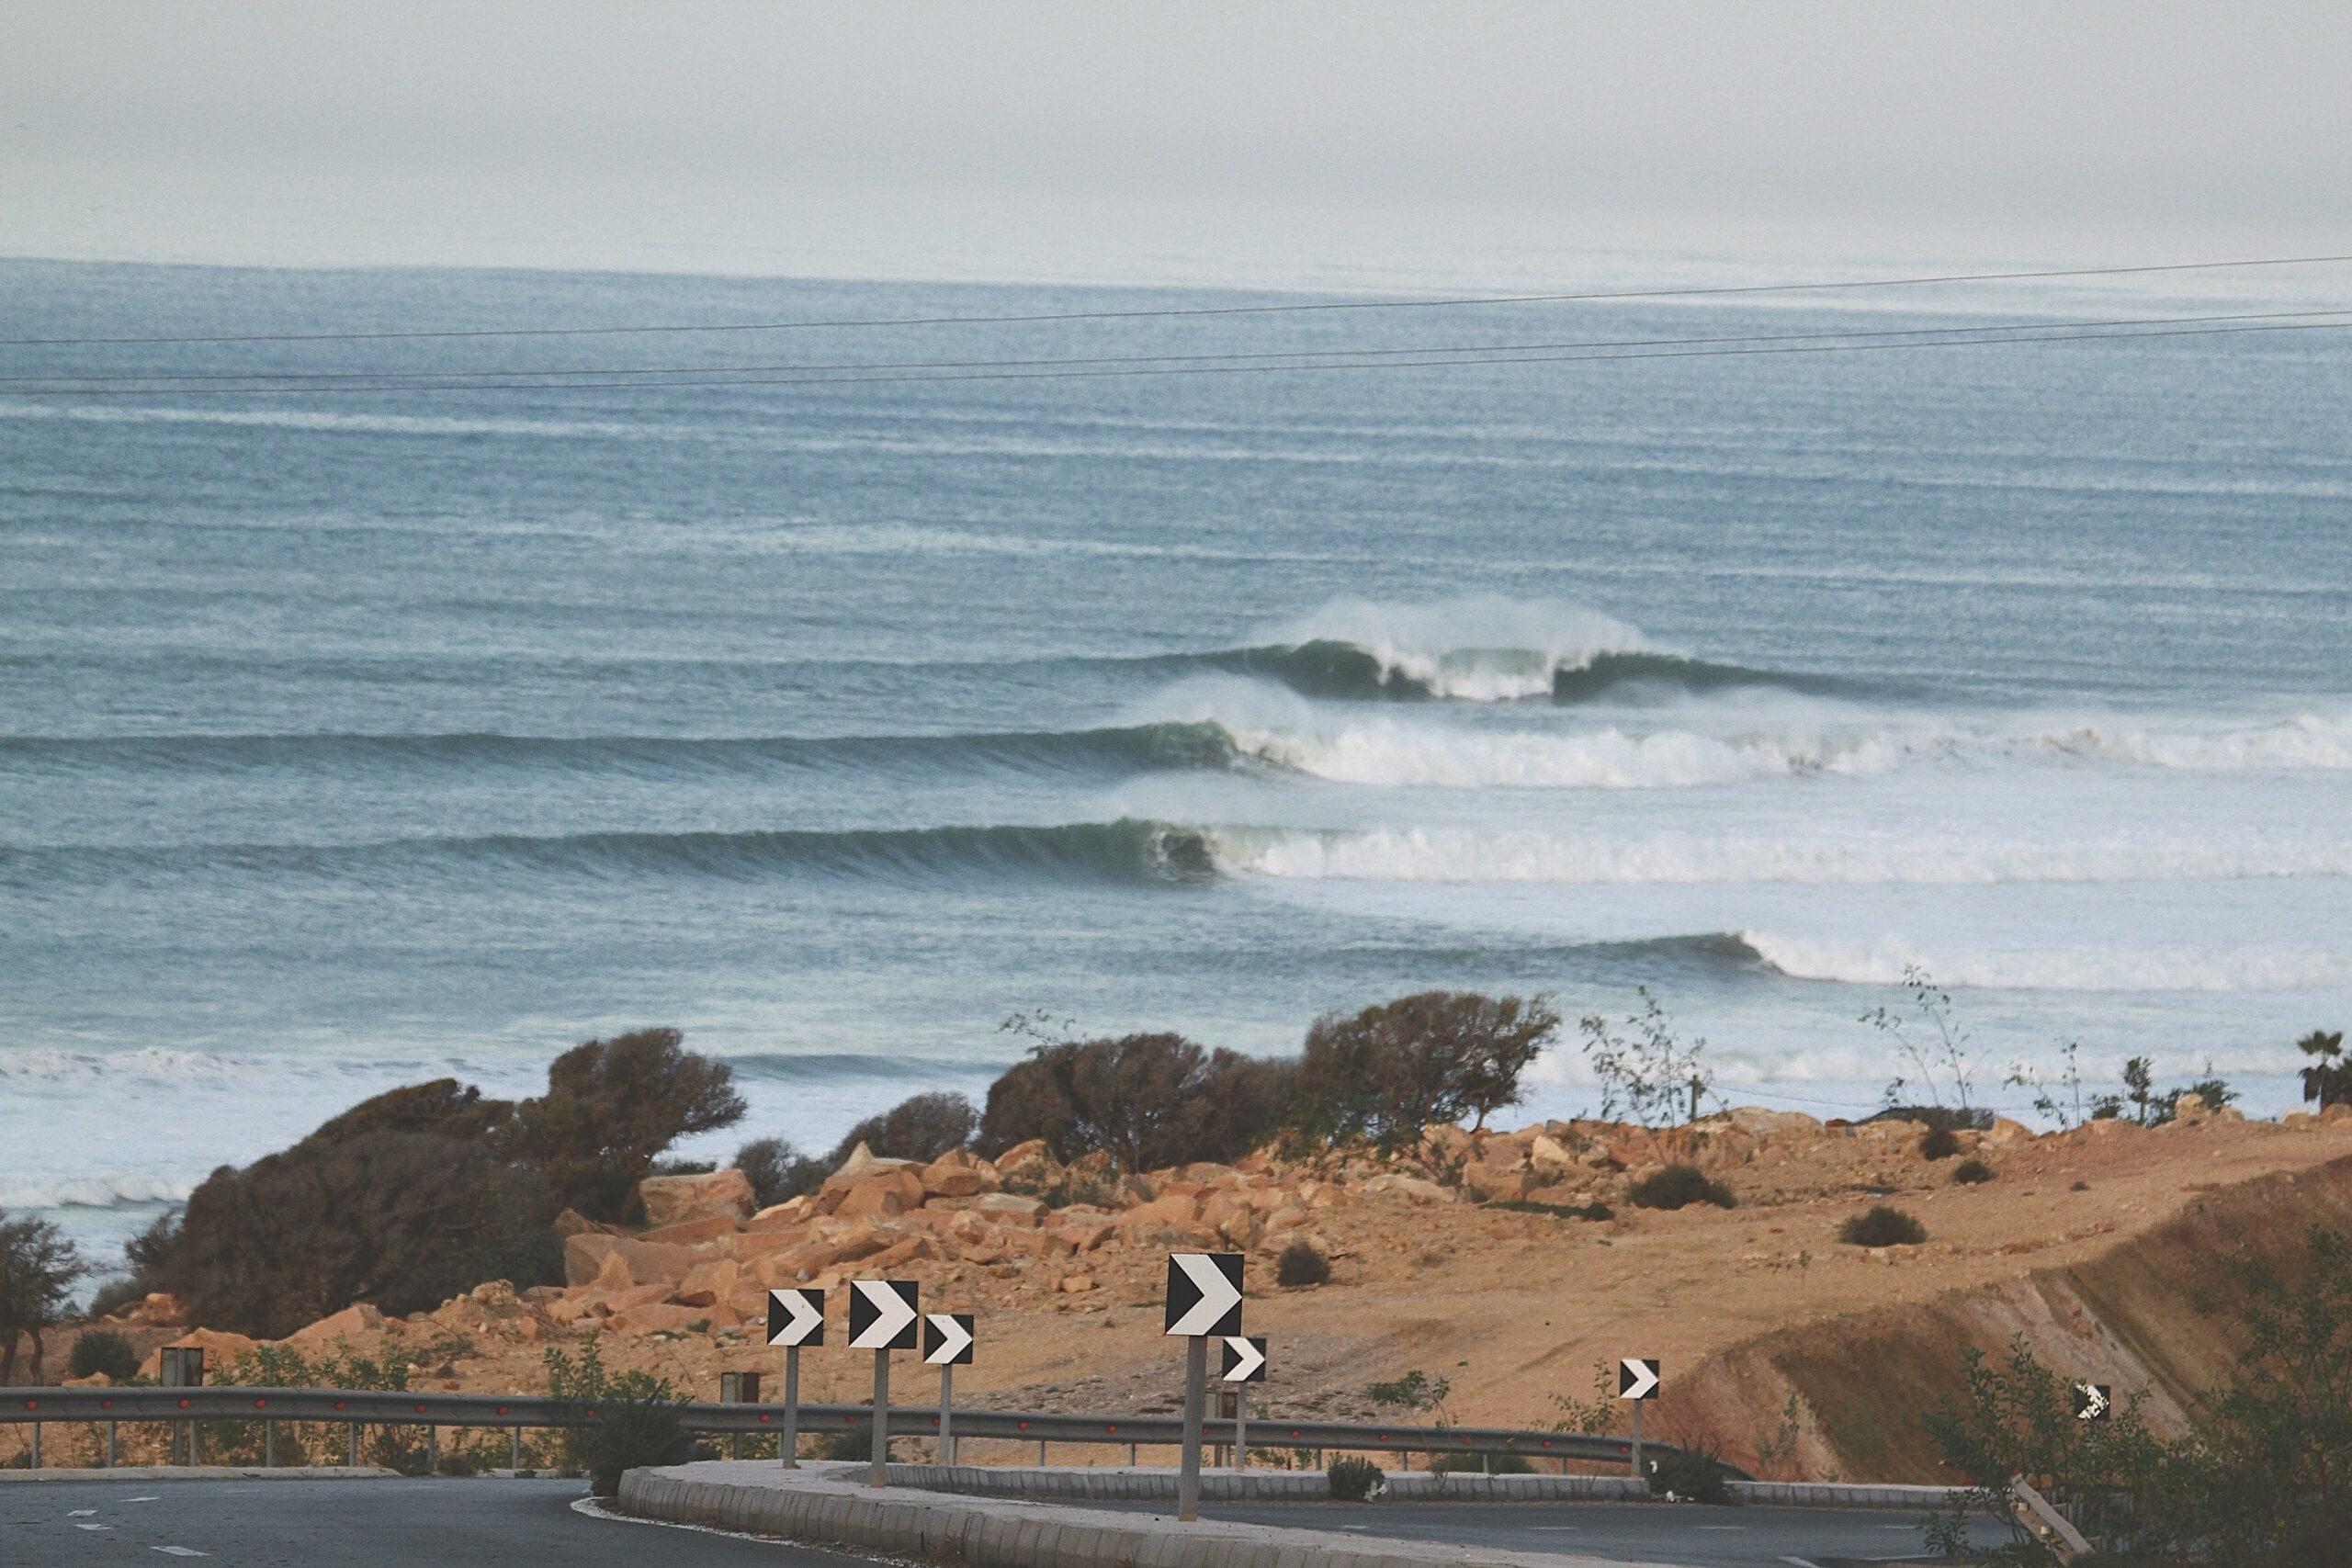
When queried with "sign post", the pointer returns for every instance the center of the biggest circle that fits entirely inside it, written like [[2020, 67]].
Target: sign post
[[947, 1345], [1203, 1300], [1637, 1381], [796, 1317], [882, 1318], [1245, 1364]]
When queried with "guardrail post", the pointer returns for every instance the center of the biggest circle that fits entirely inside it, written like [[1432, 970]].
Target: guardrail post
[[515, 1462], [110, 1426], [37, 1425], [432, 1448], [268, 1444], [351, 1444]]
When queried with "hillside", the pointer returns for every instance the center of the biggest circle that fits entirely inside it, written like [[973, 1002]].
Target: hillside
[[2088, 1241]]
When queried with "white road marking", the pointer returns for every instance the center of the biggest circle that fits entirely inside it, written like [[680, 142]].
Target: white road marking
[[1722, 1527], [79, 1513], [181, 1552], [1799, 1562], [80, 1525], [142, 1499], [1555, 1526], [1355, 1526]]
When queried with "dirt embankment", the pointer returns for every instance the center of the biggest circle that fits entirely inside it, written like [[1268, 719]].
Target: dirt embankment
[[2090, 1242]]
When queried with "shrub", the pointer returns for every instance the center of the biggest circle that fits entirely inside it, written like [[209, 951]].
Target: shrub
[[1882, 1226], [922, 1129], [1301, 1265], [632, 1433], [1972, 1172], [1355, 1480], [404, 1220], [1557, 1210], [777, 1171], [2329, 1079], [1678, 1186], [38, 1266], [1384, 1073], [857, 1445], [1938, 1142], [103, 1351], [1687, 1475], [1146, 1101]]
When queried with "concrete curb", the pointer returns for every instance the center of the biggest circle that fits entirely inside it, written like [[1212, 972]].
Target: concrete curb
[[1153, 1484], [208, 1473], [1837, 1494], [759, 1498]]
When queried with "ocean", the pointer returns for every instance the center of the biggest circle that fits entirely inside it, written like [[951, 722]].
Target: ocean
[[353, 737]]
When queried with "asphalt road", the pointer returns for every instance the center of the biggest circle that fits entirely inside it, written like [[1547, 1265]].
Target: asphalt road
[[364, 1524], [529, 1523], [1624, 1532]]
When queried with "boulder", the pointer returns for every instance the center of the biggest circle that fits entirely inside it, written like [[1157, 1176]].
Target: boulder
[[673, 1199], [160, 1310], [658, 1317], [1168, 1209], [707, 1283], [1010, 1209], [352, 1322], [693, 1233], [882, 1192], [1410, 1188], [583, 1256], [1031, 1164], [2004, 1132], [959, 1174], [792, 1212], [912, 1249]]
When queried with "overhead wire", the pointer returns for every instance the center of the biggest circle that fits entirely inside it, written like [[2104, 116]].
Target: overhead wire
[[1170, 311], [2035, 329]]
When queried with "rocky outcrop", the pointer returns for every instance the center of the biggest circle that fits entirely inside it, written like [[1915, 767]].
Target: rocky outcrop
[[675, 1200]]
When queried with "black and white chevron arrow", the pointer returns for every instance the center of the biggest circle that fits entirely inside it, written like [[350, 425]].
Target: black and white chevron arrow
[[1203, 1293], [2094, 1402], [947, 1338], [1244, 1360], [882, 1316], [796, 1316], [1637, 1379]]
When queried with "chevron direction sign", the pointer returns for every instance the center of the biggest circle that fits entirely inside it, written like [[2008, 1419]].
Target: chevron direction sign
[[947, 1338], [2093, 1401], [1244, 1360], [1637, 1379], [882, 1316], [1203, 1293], [796, 1317]]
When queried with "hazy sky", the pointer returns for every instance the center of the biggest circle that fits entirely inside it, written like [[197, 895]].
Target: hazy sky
[[1368, 143]]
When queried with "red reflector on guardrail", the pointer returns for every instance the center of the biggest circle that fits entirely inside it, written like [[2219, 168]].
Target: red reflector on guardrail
[[182, 1404], [767, 1418]]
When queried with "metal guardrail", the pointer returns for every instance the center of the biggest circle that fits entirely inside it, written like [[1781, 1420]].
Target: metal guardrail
[[19, 1405]]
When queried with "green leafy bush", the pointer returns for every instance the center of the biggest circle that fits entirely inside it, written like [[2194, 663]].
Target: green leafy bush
[[922, 1128], [856, 1444], [631, 1433], [1973, 1172], [1677, 1187], [1687, 1475], [1355, 1480], [777, 1171], [1383, 1075], [103, 1351], [1301, 1265], [1882, 1226]]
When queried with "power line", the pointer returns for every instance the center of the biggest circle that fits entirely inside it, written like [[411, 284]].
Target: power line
[[1202, 311], [2034, 328], [1843, 347]]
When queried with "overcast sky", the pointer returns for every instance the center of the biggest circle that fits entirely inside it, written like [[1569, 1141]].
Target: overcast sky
[[1364, 142]]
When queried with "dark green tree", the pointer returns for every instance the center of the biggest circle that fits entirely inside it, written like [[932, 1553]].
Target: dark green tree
[[2329, 1077], [1383, 1075], [610, 1107], [921, 1128], [39, 1267]]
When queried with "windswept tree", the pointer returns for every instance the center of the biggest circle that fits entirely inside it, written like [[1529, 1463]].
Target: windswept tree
[[1385, 1073], [38, 1269], [610, 1107], [2329, 1077], [1147, 1100]]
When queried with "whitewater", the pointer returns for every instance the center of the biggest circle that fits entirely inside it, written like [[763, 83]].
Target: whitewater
[[346, 742]]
